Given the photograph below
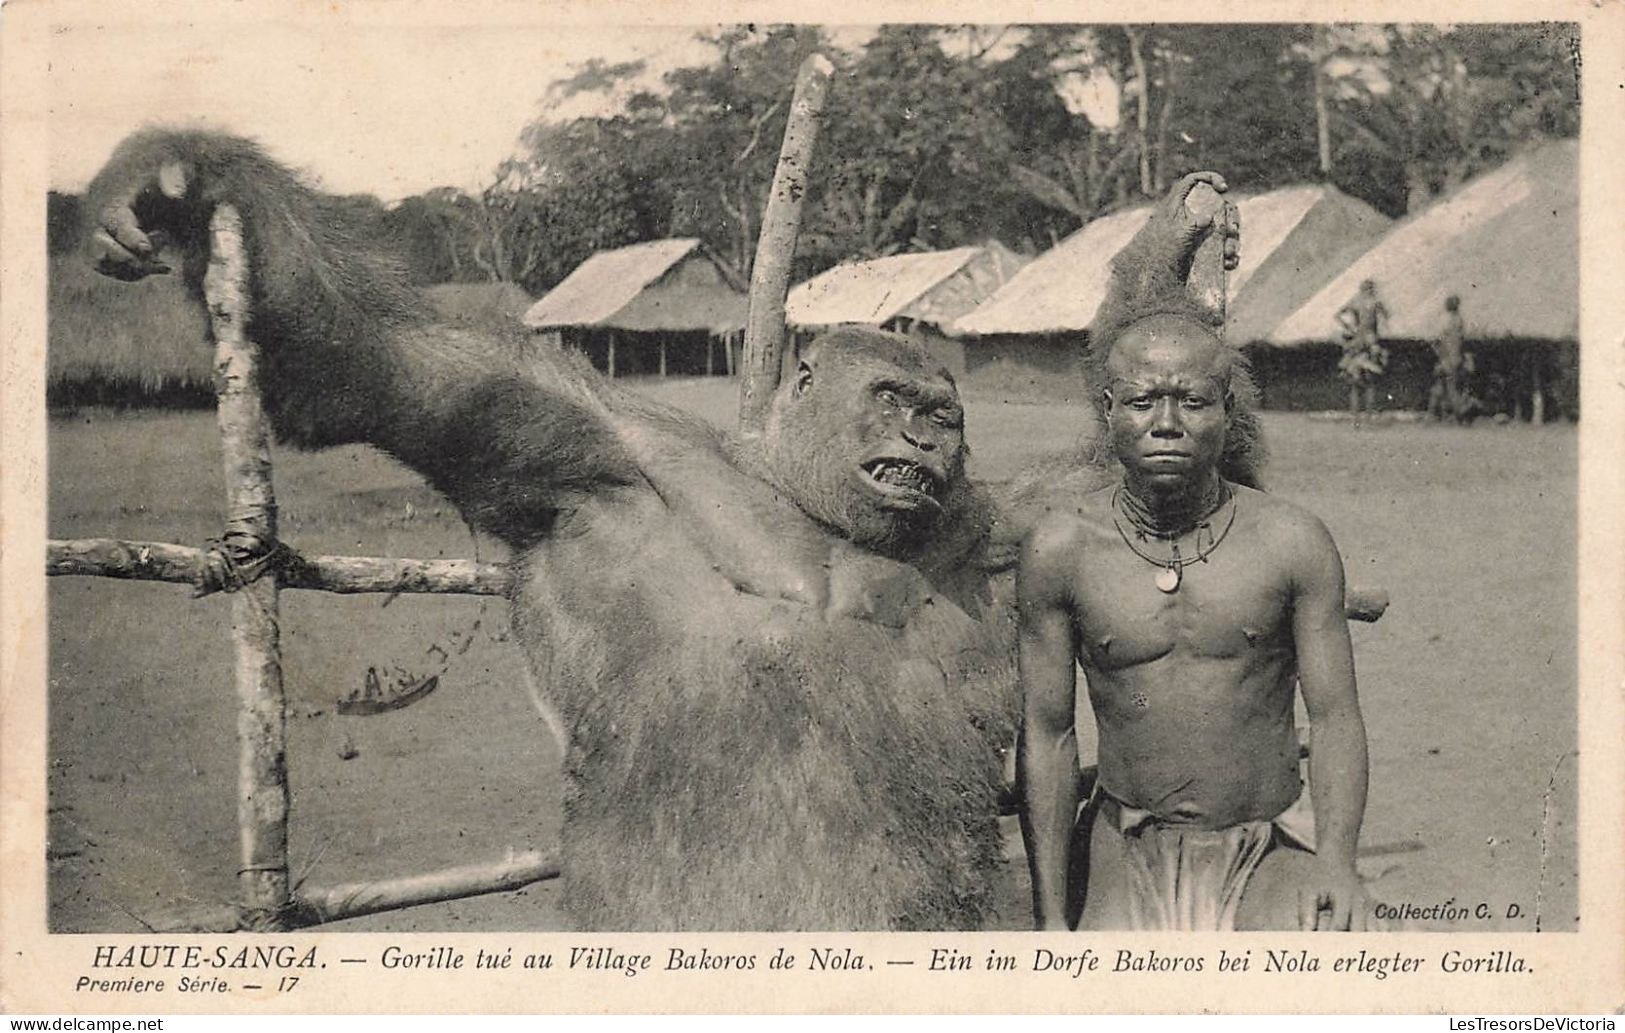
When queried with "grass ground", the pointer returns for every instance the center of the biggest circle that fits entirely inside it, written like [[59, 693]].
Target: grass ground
[[1468, 683]]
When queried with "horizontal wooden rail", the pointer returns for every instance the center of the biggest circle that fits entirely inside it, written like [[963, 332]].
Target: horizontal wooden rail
[[317, 905], [182, 564], [161, 561]]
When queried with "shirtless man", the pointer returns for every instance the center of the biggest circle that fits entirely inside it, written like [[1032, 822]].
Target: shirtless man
[[1364, 358], [1193, 604], [1449, 391]]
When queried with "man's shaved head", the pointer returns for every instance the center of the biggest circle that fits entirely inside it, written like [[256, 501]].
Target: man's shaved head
[[1179, 337], [1165, 338]]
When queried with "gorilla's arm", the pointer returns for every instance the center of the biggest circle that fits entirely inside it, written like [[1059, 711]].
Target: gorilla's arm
[[350, 351], [518, 434]]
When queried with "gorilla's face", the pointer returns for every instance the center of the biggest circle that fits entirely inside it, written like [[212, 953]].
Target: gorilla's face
[[868, 437]]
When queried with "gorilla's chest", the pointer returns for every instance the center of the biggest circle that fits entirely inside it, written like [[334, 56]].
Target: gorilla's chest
[[636, 598]]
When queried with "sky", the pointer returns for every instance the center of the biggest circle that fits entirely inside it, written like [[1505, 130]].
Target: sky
[[385, 107], [389, 110]]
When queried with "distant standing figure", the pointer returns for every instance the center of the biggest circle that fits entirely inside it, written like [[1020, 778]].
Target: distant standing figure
[[1364, 358], [1449, 392]]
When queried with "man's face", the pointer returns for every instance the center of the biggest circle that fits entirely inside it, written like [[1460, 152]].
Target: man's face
[[1168, 403]]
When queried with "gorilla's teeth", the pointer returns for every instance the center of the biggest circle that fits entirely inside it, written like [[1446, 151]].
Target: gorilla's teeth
[[902, 474]]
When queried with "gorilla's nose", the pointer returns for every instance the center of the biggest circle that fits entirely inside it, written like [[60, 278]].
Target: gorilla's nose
[[924, 444]]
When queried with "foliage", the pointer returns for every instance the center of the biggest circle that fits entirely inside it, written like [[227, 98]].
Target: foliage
[[944, 135]]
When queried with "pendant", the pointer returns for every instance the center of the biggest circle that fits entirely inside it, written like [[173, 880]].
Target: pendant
[[1168, 579]]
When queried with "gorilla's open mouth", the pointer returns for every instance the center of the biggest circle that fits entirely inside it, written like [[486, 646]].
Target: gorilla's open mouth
[[901, 482]]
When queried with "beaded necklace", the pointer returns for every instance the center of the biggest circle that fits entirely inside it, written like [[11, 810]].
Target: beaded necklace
[[1172, 567]]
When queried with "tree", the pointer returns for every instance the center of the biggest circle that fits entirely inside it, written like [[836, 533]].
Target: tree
[[914, 152], [1453, 102]]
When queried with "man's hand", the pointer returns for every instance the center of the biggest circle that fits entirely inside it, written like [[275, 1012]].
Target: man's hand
[[1335, 900]]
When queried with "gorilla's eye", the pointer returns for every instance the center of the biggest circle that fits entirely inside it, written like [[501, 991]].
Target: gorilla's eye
[[888, 398], [949, 418]]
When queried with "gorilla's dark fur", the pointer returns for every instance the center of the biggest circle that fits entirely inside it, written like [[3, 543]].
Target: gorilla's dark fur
[[781, 668], [780, 684]]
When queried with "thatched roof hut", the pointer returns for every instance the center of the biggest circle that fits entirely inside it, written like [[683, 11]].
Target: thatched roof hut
[[933, 287], [1507, 243], [658, 297], [1289, 237], [674, 285], [920, 293], [119, 343]]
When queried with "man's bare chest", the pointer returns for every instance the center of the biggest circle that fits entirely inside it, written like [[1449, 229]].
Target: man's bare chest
[[1130, 611]]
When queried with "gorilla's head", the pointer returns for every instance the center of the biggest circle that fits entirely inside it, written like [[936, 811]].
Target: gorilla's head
[[868, 438]]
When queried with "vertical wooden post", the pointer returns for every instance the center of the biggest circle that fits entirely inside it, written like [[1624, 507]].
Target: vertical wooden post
[[710, 346], [1537, 396], [662, 355], [611, 335], [262, 787], [776, 247]]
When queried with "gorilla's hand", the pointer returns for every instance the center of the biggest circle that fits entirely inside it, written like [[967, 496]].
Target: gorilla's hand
[[1184, 218], [125, 244], [146, 198]]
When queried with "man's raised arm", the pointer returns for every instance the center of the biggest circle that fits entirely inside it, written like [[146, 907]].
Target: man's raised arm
[[1337, 759], [1047, 754]]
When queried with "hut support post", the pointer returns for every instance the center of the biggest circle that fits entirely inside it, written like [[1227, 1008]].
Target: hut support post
[[262, 787], [610, 334], [776, 247], [710, 347], [1537, 399], [662, 355]]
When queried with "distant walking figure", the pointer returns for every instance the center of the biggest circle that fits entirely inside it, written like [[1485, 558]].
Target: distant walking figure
[[1364, 358]]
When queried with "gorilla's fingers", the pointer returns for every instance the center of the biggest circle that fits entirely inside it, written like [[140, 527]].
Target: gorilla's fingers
[[123, 227], [1232, 235], [1188, 183], [115, 260]]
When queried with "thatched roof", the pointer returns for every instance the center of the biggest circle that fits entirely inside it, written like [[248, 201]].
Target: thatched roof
[[1286, 234], [1506, 242], [918, 286], [659, 285], [144, 334]]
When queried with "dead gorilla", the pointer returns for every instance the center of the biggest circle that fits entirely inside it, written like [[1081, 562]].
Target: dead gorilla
[[778, 668], [779, 688]]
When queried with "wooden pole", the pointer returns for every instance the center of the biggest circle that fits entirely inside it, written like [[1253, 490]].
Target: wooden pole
[[710, 347], [1537, 395], [345, 575], [316, 905], [776, 247], [262, 788], [348, 900], [662, 355], [611, 335]]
